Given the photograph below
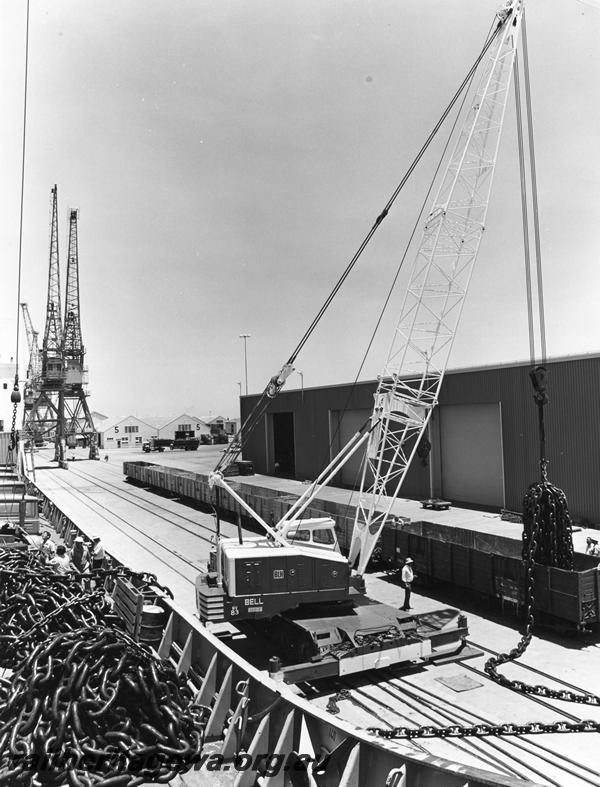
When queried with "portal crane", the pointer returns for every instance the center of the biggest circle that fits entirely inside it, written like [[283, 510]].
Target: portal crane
[[42, 421], [76, 412], [34, 368]]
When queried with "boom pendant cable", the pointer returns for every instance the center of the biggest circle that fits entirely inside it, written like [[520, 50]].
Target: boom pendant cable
[[15, 396], [277, 382]]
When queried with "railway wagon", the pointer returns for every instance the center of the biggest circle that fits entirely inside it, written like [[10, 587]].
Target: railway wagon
[[490, 566]]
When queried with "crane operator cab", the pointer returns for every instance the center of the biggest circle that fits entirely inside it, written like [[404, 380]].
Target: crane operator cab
[[262, 576], [318, 533]]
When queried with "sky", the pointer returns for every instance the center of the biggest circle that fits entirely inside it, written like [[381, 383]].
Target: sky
[[227, 158]]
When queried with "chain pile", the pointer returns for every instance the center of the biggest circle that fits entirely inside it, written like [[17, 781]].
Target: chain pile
[[36, 603], [86, 705], [92, 707]]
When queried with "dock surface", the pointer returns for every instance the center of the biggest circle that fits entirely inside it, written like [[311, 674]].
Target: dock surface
[[153, 533]]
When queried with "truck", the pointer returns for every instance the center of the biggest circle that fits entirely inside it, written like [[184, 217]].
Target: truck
[[160, 443]]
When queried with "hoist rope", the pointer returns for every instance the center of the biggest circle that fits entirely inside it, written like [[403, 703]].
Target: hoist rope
[[524, 213], [15, 397], [262, 404], [534, 197]]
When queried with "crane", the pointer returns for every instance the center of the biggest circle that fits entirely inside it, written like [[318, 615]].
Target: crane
[[239, 586], [409, 386], [413, 373], [34, 368]]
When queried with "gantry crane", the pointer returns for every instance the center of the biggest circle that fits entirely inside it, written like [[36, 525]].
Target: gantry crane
[[59, 411], [42, 420], [76, 412], [34, 367]]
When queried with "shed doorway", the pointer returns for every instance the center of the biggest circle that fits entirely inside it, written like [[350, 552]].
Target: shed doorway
[[284, 448]]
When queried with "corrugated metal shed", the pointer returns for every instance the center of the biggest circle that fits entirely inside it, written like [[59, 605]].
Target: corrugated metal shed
[[572, 428]]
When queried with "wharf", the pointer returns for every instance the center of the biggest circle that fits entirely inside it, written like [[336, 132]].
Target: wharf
[[158, 534]]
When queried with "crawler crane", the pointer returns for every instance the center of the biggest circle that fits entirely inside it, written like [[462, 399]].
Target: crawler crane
[[311, 599]]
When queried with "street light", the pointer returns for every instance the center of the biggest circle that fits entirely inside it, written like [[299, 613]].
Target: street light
[[301, 382], [245, 336]]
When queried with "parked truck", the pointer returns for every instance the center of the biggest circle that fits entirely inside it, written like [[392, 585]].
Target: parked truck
[[160, 443]]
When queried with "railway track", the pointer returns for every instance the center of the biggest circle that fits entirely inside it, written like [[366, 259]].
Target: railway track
[[115, 520]]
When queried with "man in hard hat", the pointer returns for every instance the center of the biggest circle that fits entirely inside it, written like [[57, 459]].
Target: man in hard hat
[[80, 555], [407, 580]]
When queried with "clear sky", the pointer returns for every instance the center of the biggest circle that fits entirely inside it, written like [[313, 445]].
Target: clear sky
[[227, 158]]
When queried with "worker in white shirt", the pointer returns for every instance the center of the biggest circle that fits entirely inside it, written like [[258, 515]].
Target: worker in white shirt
[[98, 553], [48, 547], [407, 579], [61, 563]]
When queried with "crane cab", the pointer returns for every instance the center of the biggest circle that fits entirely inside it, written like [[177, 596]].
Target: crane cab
[[318, 533]]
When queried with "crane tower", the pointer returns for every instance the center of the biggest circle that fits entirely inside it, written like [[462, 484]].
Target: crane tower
[[58, 409], [77, 418]]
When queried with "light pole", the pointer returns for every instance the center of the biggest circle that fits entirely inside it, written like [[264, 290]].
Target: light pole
[[301, 382], [245, 336]]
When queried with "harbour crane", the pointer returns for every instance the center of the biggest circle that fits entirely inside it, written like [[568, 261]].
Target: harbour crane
[[407, 392], [59, 410], [34, 368]]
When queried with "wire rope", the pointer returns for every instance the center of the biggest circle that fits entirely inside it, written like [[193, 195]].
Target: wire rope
[[262, 404]]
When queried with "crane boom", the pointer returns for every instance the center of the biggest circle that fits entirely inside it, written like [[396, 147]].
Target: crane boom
[[35, 362], [409, 386]]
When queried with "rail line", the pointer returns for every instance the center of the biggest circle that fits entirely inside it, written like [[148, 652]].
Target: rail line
[[97, 505], [149, 506], [420, 700]]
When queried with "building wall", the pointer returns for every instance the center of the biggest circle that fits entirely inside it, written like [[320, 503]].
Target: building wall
[[572, 420], [127, 433], [186, 422]]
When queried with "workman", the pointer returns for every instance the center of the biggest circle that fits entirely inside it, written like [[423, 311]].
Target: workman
[[61, 562], [48, 547], [98, 553], [407, 580], [80, 556], [592, 546]]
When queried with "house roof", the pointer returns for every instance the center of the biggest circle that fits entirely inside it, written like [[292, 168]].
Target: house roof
[[112, 422], [185, 417]]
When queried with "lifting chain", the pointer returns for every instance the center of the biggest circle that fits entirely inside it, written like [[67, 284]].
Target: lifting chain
[[547, 539]]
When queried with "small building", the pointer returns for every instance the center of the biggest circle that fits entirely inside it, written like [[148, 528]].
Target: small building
[[190, 424], [220, 425], [128, 432]]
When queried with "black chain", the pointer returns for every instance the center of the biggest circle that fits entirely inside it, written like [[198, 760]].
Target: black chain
[[14, 437], [545, 514]]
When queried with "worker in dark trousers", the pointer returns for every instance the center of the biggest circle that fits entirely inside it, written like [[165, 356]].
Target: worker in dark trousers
[[407, 580]]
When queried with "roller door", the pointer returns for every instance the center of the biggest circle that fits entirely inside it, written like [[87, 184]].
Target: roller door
[[471, 454], [343, 426]]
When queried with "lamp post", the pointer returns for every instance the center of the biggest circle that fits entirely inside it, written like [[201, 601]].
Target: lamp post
[[301, 382], [245, 336]]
